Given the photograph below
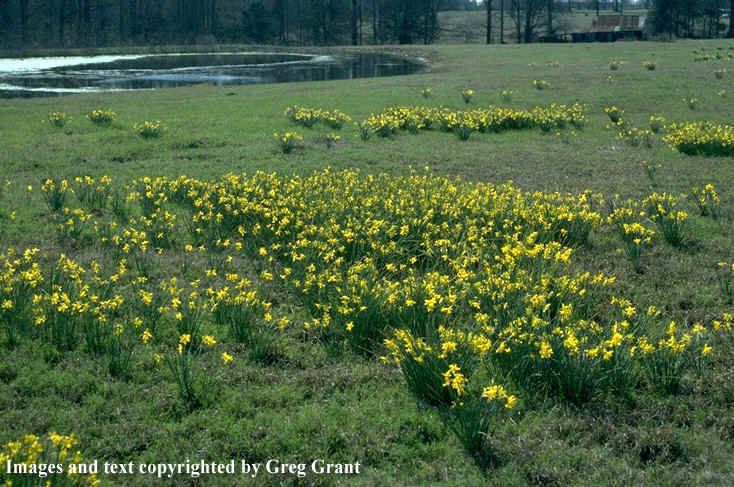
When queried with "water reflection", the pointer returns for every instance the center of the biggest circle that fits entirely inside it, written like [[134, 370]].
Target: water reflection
[[56, 76]]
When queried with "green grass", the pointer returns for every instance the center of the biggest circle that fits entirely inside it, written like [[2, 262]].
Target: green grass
[[319, 401]]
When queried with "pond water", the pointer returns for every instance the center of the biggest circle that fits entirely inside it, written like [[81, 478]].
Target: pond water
[[65, 75]]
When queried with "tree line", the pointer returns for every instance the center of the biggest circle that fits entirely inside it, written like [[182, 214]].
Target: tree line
[[693, 18], [682, 18], [80, 23], [93, 23]]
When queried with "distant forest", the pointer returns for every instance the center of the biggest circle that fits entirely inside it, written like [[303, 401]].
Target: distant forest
[[92, 23], [97, 23]]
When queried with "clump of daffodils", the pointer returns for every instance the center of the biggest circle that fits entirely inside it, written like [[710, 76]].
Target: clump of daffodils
[[614, 113], [614, 65], [656, 123], [691, 102], [335, 119], [506, 95], [467, 95], [58, 119], [365, 130], [183, 364], [635, 237], [671, 221], [308, 117], [707, 200], [288, 141], [446, 372], [634, 136], [464, 122], [149, 130], [650, 169], [55, 193], [331, 139], [705, 138], [102, 117], [462, 125], [51, 458]]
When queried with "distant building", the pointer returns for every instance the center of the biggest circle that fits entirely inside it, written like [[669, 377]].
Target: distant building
[[609, 28]]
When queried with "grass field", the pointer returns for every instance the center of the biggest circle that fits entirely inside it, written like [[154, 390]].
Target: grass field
[[296, 395]]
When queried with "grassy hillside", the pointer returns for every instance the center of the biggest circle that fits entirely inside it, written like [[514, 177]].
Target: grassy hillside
[[298, 394]]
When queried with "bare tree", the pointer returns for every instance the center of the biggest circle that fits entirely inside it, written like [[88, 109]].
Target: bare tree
[[354, 22], [430, 20], [24, 14], [527, 16], [61, 18], [488, 4], [502, 21], [375, 14]]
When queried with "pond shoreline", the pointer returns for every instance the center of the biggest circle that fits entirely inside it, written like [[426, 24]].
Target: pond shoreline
[[422, 55], [104, 72]]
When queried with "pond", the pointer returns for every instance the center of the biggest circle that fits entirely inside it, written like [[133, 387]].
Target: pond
[[51, 76]]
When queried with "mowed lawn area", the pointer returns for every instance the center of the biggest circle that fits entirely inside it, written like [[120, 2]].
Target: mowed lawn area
[[298, 266]]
